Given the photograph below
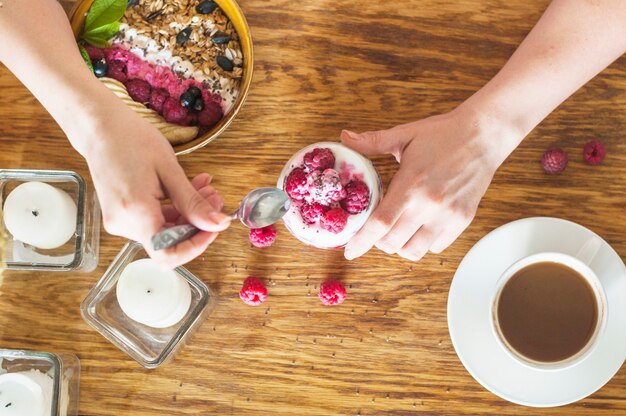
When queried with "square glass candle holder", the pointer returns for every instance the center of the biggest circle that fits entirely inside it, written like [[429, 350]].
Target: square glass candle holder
[[58, 375], [150, 347], [80, 252]]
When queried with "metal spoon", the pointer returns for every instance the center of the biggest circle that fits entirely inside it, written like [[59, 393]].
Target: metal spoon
[[260, 208]]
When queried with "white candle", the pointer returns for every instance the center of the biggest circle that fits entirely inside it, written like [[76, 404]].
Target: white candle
[[152, 296], [21, 395], [40, 215]]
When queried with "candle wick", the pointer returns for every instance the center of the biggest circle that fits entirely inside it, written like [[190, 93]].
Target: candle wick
[[35, 213], [149, 291], [8, 404]]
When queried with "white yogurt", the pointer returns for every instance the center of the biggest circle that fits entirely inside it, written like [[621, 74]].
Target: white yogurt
[[345, 160]]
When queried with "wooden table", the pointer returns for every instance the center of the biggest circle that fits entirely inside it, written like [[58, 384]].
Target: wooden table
[[322, 66]]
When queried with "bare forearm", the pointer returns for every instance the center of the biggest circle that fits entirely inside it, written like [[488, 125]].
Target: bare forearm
[[572, 42], [39, 48]]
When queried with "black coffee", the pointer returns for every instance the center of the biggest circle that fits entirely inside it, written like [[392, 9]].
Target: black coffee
[[547, 312]]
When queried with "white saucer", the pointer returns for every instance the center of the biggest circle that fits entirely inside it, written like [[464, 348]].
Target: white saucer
[[469, 314]]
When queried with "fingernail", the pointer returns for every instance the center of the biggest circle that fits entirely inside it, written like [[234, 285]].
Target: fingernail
[[349, 254], [219, 218], [352, 135]]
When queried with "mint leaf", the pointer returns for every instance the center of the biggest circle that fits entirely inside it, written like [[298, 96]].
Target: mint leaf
[[100, 36], [85, 55], [103, 13]]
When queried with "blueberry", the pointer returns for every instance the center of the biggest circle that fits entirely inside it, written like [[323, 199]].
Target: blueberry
[[131, 3], [206, 7], [225, 63], [220, 38], [187, 99], [195, 91], [183, 36], [198, 105], [100, 67]]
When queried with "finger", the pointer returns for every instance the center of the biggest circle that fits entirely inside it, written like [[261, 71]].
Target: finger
[[188, 201], [420, 243], [449, 236], [183, 252], [137, 221], [380, 142], [170, 213], [382, 220], [401, 232], [201, 180]]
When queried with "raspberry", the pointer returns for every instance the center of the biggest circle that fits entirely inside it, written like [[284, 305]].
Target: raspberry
[[296, 184], [253, 291], [263, 237], [117, 70], [319, 159], [357, 197], [94, 52], [157, 98], [554, 161], [173, 112], [325, 187], [139, 90], [332, 293], [594, 152], [312, 213], [210, 114], [334, 220]]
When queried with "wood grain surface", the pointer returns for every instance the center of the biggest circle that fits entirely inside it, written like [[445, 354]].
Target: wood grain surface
[[322, 66]]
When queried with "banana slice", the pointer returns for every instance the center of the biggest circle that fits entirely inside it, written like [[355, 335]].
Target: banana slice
[[174, 133]]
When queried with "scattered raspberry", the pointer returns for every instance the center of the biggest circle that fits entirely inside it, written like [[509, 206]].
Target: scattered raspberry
[[312, 213], [594, 152], [94, 52], [139, 90], [319, 159], [334, 220], [117, 70], [253, 291], [554, 161], [211, 114], [157, 98], [332, 293], [173, 112], [325, 187], [357, 197], [263, 237], [296, 184]]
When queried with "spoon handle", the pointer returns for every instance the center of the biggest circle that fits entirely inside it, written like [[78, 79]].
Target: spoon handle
[[172, 236], [177, 234]]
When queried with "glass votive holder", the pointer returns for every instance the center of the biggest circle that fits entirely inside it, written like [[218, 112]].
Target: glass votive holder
[[39, 383], [149, 346], [81, 251]]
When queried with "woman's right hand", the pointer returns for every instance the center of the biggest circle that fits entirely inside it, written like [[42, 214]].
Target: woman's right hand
[[134, 169]]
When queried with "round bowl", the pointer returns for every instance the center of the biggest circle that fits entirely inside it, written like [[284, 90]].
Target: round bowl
[[234, 13]]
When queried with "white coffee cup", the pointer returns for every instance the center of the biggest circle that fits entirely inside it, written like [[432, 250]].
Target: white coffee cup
[[580, 265]]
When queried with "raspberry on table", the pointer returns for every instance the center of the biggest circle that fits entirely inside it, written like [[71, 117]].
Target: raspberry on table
[[312, 213], [554, 161], [173, 112], [320, 158], [253, 291], [594, 152], [139, 90], [334, 220], [296, 184], [332, 292], [357, 197], [157, 98], [263, 237], [325, 187]]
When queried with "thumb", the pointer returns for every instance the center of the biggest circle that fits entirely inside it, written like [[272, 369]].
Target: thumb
[[374, 142]]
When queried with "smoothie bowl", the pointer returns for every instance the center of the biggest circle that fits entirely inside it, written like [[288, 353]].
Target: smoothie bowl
[[333, 191], [183, 65]]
